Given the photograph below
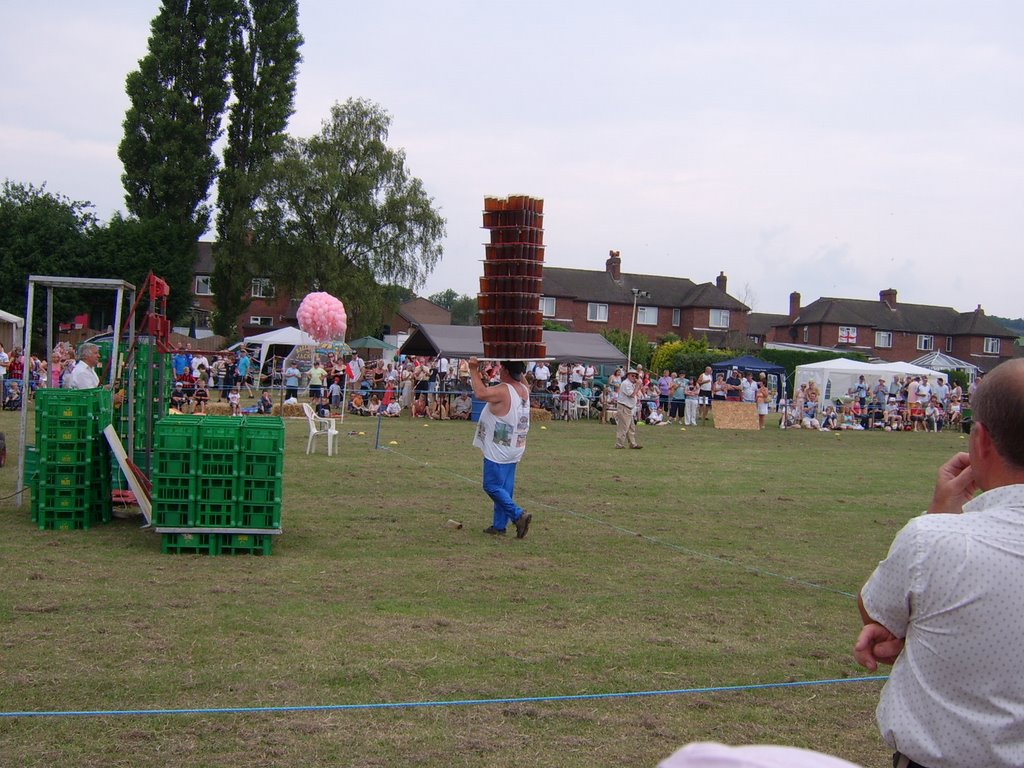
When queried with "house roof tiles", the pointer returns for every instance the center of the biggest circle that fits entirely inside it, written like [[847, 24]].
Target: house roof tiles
[[912, 318], [593, 285]]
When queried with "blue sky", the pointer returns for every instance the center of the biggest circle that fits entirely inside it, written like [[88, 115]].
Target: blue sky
[[831, 148]]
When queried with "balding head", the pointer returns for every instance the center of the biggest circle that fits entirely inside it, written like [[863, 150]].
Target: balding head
[[998, 404]]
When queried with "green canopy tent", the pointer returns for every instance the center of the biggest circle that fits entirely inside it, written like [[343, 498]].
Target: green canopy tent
[[369, 342]]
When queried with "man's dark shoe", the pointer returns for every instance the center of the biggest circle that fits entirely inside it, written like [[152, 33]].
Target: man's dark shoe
[[638, 447], [523, 525], [495, 531]]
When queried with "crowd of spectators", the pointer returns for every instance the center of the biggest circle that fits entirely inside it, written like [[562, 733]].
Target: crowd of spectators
[[911, 403]]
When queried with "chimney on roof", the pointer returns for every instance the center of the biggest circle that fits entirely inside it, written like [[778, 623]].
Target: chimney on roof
[[721, 281], [888, 297], [614, 266], [794, 305]]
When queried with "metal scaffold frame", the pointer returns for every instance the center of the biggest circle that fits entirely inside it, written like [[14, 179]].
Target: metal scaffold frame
[[50, 282]]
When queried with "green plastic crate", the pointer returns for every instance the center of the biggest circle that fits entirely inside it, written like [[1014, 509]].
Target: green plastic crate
[[259, 515], [215, 489], [263, 435], [215, 514], [261, 466], [190, 543], [252, 491], [220, 434], [173, 514], [246, 543]]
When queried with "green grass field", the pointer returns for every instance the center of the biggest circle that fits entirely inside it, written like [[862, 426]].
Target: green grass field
[[709, 559]]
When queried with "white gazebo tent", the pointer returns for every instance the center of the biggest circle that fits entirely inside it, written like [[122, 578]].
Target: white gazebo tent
[[10, 329], [836, 377]]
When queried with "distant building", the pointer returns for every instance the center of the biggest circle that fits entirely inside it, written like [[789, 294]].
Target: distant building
[[267, 310], [892, 331], [592, 301], [270, 308]]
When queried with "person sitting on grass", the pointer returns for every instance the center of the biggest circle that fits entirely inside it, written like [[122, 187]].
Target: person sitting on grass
[[357, 405], [393, 409], [463, 407], [419, 408], [265, 405], [831, 419], [200, 397], [438, 409], [373, 407], [810, 414], [656, 418]]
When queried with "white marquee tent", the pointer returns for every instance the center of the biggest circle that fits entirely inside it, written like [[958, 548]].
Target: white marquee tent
[[836, 377], [283, 343]]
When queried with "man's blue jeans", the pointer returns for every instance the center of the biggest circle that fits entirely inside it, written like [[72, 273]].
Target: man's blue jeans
[[499, 484]]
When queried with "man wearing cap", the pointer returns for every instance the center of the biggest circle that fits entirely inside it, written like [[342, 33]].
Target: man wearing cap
[[625, 426], [501, 435], [946, 606]]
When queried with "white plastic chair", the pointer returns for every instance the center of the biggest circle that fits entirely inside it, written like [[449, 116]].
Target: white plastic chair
[[318, 425], [580, 406]]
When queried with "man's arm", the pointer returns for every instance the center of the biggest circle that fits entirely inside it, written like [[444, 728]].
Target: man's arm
[[875, 645], [954, 486], [481, 391]]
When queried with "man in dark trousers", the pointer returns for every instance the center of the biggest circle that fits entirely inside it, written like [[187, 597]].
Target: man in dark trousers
[[946, 606]]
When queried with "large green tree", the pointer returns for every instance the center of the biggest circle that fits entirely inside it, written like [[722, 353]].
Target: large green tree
[[177, 96], [462, 307], [43, 234], [341, 213], [264, 57]]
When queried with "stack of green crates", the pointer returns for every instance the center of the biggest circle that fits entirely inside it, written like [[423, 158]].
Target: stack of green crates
[[71, 486], [149, 366], [218, 472]]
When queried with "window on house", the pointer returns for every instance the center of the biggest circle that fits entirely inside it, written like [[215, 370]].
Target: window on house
[[949, 343], [262, 288], [719, 318], [646, 315], [991, 345], [547, 306], [883, 339], [203, 286], [260, 320], [925, 343], [597, 313], [677, 317], [807, 334], [847, 334]]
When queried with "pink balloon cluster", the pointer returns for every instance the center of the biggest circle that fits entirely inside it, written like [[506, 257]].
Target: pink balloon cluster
[[323, 317]]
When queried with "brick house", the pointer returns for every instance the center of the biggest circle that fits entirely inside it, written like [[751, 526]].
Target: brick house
[[268, 309], [590, 301], [418, 311], [892, 331]]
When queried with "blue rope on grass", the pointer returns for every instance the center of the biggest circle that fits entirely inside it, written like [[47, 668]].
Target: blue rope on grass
[[455, 703]]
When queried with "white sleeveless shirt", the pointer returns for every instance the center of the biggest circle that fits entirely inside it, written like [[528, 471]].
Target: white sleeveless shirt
[[503, 438]]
